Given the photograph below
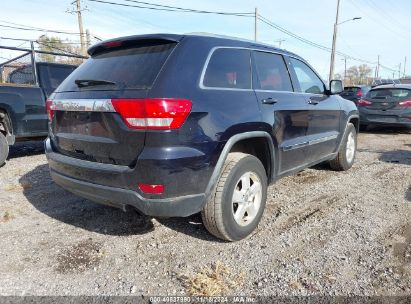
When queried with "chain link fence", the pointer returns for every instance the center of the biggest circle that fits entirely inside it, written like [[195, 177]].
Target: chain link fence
[[18, 70]]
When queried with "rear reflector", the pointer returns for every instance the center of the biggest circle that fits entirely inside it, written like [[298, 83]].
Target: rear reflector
[[154, 113], [50, 109], [406, 103], [360, 93], [151, 189], [363, 103]]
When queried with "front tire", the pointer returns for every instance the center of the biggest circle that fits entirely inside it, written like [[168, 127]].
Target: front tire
[[4, 149], [237, 205], [346, 154]]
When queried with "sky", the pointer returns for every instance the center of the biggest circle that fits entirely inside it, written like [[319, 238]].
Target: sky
[[383, 30]]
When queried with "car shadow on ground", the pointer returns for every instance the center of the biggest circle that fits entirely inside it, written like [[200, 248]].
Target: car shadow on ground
[[61, 205], [402, 157], [396, 156], [27, 148]]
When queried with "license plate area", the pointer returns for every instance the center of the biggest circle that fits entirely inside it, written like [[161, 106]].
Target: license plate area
[[84, 123]]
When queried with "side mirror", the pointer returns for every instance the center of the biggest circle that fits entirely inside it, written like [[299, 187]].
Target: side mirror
[[336, 87]]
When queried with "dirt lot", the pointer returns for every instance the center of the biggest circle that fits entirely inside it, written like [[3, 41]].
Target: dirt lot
[[323, 232]]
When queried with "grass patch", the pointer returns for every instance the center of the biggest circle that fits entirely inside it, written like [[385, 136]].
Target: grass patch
[[213, 280], [6, 217]]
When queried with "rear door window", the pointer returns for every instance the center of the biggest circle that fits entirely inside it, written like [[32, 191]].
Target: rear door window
[[308, 80], [228, 68], [272, 73], [128, 68]]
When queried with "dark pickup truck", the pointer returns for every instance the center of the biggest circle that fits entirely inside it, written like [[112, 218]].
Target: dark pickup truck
[[23, 96]]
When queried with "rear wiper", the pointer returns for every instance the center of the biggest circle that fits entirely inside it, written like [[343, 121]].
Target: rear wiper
[[81, 83]]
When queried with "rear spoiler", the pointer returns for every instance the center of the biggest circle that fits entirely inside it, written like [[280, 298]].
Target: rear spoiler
[[133, 41]]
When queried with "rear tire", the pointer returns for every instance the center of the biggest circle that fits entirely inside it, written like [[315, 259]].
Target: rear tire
[[237, 205], [346, 154], [4, 149]]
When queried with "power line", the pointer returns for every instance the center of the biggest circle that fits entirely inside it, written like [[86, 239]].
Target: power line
[[386, 13], [379, 21], [39, 29], [158, 7], [191, 10], [314, 44]]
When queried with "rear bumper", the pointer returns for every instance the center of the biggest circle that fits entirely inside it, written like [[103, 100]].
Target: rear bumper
[[122, 198], [387, 119], [107, 184]]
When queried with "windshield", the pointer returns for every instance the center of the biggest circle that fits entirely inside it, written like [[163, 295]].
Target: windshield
[[127, 68]]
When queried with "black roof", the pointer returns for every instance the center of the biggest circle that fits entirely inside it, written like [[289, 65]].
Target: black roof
[[393, 86], [176, 38]]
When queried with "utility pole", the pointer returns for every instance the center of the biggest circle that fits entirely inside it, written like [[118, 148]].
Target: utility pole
[[399, 71], [280, 41], [88, 38], [377, 72], [405, 63], [255, 23], [80, 25], [334, 42], [345, 71]]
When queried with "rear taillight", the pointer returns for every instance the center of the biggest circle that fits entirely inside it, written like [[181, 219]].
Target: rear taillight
[[153, 113], [363, 103], [151, 189], [406, 103], [50, 109], [360, 93]]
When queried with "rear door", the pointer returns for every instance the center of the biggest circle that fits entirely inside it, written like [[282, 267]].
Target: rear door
[[324, 111], [286, 111], [85, 125]]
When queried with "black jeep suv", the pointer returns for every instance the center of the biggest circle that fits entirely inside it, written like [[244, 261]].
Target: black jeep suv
[[173, 125]]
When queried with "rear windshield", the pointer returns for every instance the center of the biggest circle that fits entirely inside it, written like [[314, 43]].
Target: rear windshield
[[127, 68], [351, 89], [389, 93]]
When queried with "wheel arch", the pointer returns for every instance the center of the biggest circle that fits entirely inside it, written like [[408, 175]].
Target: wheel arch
[[236, 141], [6, 125]]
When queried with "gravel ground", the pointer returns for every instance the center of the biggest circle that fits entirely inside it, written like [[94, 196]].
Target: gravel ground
[[324, 233]]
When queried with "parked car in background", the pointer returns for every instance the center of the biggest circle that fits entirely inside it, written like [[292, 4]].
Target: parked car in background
[[23, 114], [354, 93], [183, 124], [386, 105], [378, 82]]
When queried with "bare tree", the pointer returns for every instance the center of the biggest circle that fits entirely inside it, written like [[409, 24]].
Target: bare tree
[[55, 44], [358, 74]]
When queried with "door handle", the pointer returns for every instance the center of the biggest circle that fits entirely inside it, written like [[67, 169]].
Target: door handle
[[269, 101], [313, 101]]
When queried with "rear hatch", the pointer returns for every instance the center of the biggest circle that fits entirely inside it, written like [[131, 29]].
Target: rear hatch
[[386, 99], [84, 110], [351, 93]]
